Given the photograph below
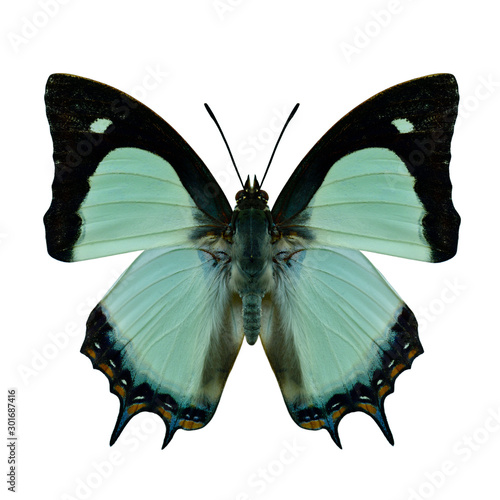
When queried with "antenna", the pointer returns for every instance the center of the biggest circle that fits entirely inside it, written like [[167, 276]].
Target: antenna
[[294, 110], [225, 142]]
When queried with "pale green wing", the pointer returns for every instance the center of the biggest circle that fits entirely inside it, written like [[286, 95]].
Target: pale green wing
[[368, 200], [124, 179], [135, 201], [379, 180], [337, 336], [166, 336]]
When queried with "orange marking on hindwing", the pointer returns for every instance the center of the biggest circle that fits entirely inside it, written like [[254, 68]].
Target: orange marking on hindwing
[[412, 353], [190, 424], [135, 408], [107, 370], [383, 390], [91, 353], [397, 369], [368, 407], [337, 414], [165, 413], [313, 424], [120, 390]]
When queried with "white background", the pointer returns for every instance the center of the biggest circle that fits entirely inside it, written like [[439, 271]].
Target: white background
[[251, 61]]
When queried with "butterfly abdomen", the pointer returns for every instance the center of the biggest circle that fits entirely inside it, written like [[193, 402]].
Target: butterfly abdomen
[[251, 272], [252, 312]]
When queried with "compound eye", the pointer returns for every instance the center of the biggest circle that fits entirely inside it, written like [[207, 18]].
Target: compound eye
[[240, 194], [264, 195]]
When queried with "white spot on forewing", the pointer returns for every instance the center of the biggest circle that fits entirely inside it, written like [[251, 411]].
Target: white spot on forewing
[[403, 125], [100, 125]]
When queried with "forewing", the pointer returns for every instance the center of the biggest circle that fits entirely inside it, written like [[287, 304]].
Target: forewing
[[166, 336], [124, 179], [337, 336], [379, 180]]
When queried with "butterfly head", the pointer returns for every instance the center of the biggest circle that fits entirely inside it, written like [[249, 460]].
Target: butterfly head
[[252, 196]]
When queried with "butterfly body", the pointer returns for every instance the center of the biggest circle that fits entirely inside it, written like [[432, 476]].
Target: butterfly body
[[336, 333], [251, 272]]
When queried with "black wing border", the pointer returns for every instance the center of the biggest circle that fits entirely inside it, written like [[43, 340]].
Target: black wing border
[[430, 103], [73, 103]]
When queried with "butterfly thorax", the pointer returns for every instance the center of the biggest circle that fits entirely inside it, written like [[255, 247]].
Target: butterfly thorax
[[251, 269]]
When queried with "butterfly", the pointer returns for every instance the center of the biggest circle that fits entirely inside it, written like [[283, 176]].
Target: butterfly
[[168, 332]]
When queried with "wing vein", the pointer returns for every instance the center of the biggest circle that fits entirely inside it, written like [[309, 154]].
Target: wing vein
[[136, 174]]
